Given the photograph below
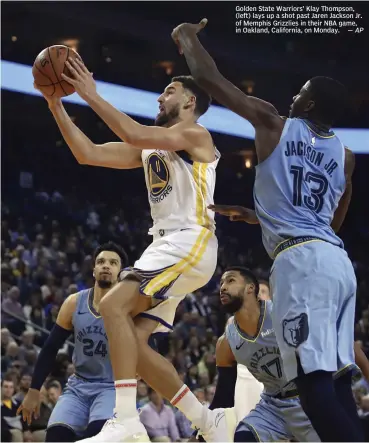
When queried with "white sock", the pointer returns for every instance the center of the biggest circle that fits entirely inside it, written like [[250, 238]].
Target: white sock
[[189, 405], [125, 398]]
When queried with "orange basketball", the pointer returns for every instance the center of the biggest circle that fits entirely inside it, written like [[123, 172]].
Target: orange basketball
[[48, 67]]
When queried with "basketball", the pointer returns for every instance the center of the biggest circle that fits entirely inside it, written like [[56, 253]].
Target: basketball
[[48, 67]]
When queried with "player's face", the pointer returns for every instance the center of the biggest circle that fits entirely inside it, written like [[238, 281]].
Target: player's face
[[107, 267], [302, 102], [264, 293], [232, 289], [171, 101]]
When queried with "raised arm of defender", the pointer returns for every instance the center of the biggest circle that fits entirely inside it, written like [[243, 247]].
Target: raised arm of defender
[[261, 114]]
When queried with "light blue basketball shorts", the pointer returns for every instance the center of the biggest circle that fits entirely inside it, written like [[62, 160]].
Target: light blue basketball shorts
[[279, 420], [83, 402], [314, 292]]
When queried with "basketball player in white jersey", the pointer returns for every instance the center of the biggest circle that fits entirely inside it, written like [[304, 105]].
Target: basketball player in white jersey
[[179, 160]]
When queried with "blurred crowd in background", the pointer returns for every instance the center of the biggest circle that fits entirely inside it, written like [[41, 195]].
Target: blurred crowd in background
[[47, 241]]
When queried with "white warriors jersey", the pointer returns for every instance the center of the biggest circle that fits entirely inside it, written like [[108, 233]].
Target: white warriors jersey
[[179, 190]]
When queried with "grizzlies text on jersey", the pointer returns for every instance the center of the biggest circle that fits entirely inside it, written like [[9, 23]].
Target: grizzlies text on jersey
[[260, 354], [279, 415], [89, 395], [91, 352]]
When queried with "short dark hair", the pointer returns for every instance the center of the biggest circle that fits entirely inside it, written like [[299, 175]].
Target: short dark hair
[[111, 246], [330, 97], [7, 377], [203, 99], [247, 274]]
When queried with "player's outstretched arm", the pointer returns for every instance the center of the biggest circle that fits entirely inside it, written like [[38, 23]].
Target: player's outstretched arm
[[114, 155], [203, 68], [236, 213], [343, 205], [180, 137], [46, 358]]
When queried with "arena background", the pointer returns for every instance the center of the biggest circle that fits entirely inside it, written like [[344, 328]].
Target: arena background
[[55, 211]]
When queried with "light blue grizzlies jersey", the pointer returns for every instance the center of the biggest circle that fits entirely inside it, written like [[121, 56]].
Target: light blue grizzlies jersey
[[298, 187], [90, 357], [260, 354]]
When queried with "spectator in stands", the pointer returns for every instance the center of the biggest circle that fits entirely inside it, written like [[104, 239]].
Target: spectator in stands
[[11, 356], [159, 419], [24, 385], [6, 338], [142, 394], [12, 427], [264, 290], [11, 306], [54, 391], [27, 340]]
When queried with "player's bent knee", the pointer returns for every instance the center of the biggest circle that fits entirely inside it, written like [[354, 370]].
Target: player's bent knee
[[60, 433]]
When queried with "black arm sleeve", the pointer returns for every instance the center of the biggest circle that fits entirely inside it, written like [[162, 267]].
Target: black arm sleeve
[[224, 392], [47, 355]]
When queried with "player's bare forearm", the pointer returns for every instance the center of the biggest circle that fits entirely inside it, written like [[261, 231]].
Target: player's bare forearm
[[121, 124], [207, 75], [78, 142], [115, 155]]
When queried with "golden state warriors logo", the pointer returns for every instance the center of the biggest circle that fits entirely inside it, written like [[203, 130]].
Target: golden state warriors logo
[[158, 175]]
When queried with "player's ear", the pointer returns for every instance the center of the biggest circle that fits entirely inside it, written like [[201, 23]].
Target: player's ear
[[191, 101], [310, 106]]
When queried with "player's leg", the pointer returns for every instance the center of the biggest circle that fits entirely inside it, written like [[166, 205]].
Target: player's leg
[[306, 286], [161, 375], [69, 417], [117, 308], [344, 392], [346, 354], [60, 433], [297, 422], [264, 423], [101, 408]]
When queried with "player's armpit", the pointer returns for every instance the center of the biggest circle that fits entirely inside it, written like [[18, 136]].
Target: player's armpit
[[223, 353], [116, 155], [65, 315], [344, 203]]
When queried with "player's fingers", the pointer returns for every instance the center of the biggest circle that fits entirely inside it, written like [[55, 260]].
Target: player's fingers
[[76, 65], [203, 23], [224, 210], [71, 68], [69, 80], [82, 66], [19, 410]]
